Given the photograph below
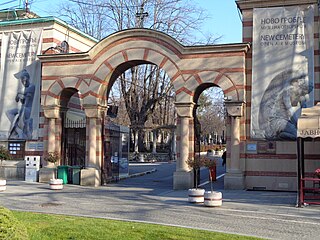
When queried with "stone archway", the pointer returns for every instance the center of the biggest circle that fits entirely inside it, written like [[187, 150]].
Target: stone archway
[[93, 72]]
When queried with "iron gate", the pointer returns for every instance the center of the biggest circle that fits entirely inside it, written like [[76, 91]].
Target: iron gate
[[74, 142]]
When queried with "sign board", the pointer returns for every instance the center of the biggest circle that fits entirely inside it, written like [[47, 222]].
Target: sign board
[[266, 147], [34, 146], [251, 147], [312, 133]]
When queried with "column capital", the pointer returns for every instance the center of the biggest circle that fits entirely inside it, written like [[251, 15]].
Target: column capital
[[185, 109], [52, 111], [94, 111], [234, 109]]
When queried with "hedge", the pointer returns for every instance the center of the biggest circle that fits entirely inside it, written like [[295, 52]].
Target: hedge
[[10, 227]]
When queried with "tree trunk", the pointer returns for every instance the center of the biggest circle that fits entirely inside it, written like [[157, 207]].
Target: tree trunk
[[141, 140], [154, 145], [136, 149]]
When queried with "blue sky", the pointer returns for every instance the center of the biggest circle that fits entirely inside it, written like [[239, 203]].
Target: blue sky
[[224, 18]]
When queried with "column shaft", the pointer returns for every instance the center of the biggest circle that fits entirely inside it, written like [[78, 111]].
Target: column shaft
[[235, 141], [234, 178], [92, 143], [51, 134], [174, 145], [184, 144]]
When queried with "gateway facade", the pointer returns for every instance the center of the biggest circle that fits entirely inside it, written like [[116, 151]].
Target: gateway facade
[[266, 80]]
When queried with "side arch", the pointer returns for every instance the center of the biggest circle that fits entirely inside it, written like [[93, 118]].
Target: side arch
[[201, 80], [53, 90]]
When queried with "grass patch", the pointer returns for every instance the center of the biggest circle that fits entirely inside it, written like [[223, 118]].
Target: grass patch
[[49, 226]]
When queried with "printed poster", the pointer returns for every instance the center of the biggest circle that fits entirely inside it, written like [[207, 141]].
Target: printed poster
[[20, 77], [282, 70]]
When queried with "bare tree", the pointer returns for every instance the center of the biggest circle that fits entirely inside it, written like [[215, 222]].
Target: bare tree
[[148, 90], [178, 18], [144, 88], [211, 112]]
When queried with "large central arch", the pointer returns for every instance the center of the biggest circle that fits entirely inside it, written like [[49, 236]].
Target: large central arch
[[93, 72]]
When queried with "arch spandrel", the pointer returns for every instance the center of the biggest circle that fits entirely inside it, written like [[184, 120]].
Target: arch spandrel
[[232, 88], [187, 67], [133, 37]]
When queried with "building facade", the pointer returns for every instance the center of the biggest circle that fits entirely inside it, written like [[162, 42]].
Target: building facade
[[23, 36], [272, 164]]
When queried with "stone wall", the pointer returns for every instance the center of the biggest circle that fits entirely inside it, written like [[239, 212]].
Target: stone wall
[[14, 170]]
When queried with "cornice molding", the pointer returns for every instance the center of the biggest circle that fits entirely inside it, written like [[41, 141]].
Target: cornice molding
[[63, 57], [250, 4]]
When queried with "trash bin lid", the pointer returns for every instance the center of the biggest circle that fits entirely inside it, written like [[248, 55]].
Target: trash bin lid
[[63, 167], [75, 167]]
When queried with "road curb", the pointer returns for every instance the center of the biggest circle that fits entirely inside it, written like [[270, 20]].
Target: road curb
[[140, 174]]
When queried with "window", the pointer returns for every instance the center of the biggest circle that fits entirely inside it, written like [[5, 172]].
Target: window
[[16, 150]]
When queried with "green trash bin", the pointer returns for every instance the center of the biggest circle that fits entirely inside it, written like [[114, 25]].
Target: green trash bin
[[76, 175], [63, 173]]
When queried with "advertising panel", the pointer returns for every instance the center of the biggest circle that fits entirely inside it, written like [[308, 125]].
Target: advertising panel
[[20, 78], [282, 70]]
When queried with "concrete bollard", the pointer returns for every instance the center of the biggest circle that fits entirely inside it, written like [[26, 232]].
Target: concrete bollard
[[3, 185], [195, 195], [56, 184], [212, 199]]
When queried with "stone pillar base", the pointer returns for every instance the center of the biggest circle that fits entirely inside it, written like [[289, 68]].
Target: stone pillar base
[[234, 180], [90, 177], [182, 180], [46, 173]]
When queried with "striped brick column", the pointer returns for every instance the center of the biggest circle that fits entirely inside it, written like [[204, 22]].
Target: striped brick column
[[52, 145], [91, 155], [234, 178], [235, 143], [184, 144], [91, 175], [183, 176]]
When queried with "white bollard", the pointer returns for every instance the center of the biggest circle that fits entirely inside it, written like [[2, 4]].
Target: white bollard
[[56, 184], [212, 199], [3, 185], [195, 195]]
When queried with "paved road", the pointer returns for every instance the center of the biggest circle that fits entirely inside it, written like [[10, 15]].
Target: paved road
[[159, 180], [162, 178], [264, 214]]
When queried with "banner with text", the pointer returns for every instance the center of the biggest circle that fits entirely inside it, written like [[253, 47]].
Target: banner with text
[[282, 70], [20, 77]]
